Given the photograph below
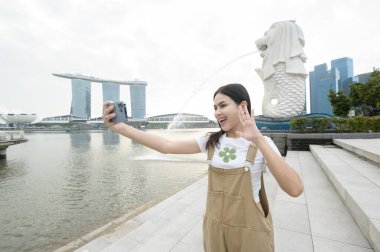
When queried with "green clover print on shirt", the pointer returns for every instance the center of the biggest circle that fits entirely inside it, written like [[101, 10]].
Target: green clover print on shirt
[[227, 154]]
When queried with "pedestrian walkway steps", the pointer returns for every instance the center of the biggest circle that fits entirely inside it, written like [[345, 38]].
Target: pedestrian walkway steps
[[368, 148], [357, 182], [315, 221]]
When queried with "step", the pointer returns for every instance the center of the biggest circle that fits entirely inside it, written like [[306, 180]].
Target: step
[[357, 182], [317, 220], [368, 148]]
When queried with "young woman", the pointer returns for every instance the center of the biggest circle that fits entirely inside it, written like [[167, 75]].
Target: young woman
[[237, 214]]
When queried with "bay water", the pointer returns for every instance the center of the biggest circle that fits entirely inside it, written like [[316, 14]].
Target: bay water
[[59, 186]]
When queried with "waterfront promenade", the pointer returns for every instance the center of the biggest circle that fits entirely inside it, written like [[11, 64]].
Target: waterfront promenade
[[338, 211], [9, 138]]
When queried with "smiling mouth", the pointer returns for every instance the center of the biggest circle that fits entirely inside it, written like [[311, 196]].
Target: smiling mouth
[[222, 120]]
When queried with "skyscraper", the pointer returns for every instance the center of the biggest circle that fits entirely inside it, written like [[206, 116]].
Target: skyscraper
[[81, 98], [111, 91], [322, 80], [138, 99], [346, 71]]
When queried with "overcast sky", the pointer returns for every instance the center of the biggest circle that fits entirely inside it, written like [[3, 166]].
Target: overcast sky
[[177, 46]]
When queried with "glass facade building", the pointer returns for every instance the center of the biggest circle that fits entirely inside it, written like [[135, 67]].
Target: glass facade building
[[339, 77], [81, 98], [111, 91], [138, 99], [346, 70]]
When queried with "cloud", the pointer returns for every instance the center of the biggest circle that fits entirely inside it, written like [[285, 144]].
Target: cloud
[[174, 45]]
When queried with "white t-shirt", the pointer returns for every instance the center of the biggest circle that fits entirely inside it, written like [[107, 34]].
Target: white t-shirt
[[232, 153]]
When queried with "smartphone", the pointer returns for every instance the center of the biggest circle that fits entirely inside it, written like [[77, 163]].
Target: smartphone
[[120, 109]]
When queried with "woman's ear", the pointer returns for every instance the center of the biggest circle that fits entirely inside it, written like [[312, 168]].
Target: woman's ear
[[244, 103]]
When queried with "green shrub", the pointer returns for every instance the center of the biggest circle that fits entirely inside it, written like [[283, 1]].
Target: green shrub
[[299, 124], [320, 124], [340, 125], [358, 124]]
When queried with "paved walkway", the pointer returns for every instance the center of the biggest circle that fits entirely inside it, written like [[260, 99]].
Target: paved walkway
[[315, 221]]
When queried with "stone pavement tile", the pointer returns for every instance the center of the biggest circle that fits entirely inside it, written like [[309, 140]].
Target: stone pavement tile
[[312, 174], [195, 236], [167, 203], [198, 207], [336, 224], [326, 245], [172, 211], [122, 230], [291, 216], [94, 246], [186, 219], [291, 154], [326, 195], [290, 241], [368, 202], [192, 197], [358, 183], [146, 229], [358, 214], [150, 213], [121, 245], [374, 233], [156, 243], [174, 231], [183, 247], [369, 148]]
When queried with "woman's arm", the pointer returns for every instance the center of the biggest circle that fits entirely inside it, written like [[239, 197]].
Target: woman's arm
[[152, 141], [286, 176]]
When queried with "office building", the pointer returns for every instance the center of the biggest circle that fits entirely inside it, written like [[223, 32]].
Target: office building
[[81, 98], [339, 77], [111, 91]]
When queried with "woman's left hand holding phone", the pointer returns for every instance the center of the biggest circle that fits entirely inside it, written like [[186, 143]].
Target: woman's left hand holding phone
[[108, 108]]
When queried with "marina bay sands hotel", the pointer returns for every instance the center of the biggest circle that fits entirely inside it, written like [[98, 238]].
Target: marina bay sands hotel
[[81, 94]]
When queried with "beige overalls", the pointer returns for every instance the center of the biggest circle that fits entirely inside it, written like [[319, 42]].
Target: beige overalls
[[233, 221]]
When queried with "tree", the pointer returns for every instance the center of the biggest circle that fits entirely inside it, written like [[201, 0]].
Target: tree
[[373, 92], [341, 103], [358, 94], [366, 97]]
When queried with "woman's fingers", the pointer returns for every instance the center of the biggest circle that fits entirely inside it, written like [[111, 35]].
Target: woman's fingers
[[109, 116], [108, 108]]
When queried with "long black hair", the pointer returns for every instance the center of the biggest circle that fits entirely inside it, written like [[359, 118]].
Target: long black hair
[[237, 93]]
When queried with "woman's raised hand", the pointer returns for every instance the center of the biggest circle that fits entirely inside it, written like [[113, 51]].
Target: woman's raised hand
[[108, 107], [250, 130]]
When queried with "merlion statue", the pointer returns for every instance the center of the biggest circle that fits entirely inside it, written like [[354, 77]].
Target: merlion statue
[[283, 72]]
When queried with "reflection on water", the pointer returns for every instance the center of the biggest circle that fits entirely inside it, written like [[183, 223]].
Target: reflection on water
[[58, 186], [111, 139], [80, 140]]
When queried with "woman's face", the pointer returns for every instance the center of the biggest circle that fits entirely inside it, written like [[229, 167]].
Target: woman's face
[[226, 112]]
